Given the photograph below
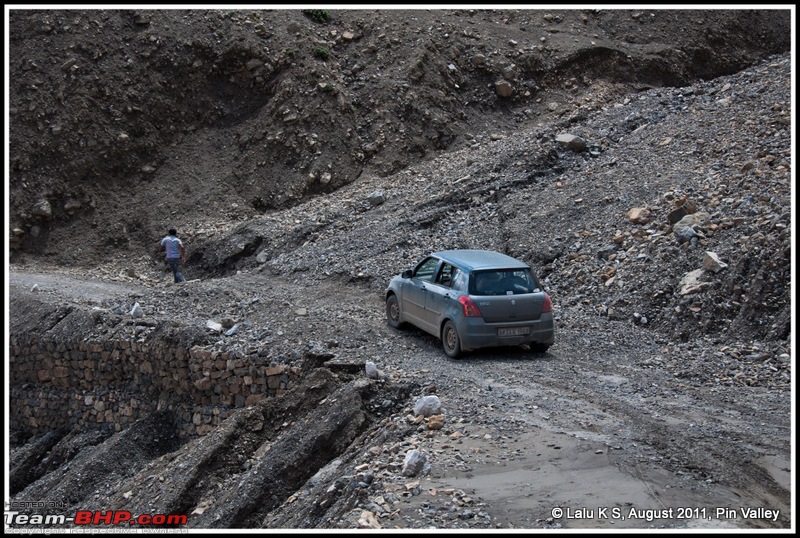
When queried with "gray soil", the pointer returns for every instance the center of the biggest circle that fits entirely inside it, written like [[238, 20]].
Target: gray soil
[[302, 181]]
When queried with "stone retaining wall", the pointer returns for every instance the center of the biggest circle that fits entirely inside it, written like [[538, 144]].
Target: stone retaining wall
[[88, 383]]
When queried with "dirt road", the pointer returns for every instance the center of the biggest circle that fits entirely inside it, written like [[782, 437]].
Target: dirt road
[[604, 430], [608, 429]]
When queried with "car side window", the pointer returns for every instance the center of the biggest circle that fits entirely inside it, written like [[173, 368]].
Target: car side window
[[459, 279], [425, 270], [446, 274]]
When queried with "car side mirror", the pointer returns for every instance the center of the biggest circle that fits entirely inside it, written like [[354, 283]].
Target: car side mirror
[[407, 273]]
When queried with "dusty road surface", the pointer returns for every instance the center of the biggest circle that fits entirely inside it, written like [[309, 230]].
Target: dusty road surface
[[614, 427]]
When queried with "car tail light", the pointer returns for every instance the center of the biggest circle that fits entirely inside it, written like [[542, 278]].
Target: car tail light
[[471, 310], [548, 304]]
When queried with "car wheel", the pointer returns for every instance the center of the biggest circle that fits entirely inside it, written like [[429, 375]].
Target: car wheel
[[451, 342], [393, 312]]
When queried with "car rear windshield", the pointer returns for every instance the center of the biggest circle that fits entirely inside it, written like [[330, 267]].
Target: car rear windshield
[[503, 282]]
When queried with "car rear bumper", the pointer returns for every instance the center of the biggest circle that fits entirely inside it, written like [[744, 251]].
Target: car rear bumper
[[476, 333]]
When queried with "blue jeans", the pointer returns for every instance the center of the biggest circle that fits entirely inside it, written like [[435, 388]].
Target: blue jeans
[[173, 264]]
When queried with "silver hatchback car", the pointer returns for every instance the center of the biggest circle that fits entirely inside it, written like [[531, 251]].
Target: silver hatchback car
[[472, 299]]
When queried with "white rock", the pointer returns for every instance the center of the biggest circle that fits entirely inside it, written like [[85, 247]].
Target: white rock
[[372, 370], [214, 326], [427, 406], [712, 263], [415, 463]]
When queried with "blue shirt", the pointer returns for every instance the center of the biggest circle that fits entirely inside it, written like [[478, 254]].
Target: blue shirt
[[173, 246]]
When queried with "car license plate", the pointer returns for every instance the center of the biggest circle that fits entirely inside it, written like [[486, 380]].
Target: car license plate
[[513, 331]]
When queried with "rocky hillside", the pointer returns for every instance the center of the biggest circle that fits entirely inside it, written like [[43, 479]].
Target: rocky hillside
[[639, 160], [125, 122]]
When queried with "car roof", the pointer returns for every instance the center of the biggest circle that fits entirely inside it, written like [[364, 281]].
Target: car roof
[[479, 259]]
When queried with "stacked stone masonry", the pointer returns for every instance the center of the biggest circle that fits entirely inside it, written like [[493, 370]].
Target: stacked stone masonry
[[113, 383]]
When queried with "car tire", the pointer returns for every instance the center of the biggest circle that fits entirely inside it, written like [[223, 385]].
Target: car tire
[[451, 342], [393, 312]]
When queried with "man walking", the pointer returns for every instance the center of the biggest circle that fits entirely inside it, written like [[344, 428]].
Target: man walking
[[173, 247]]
